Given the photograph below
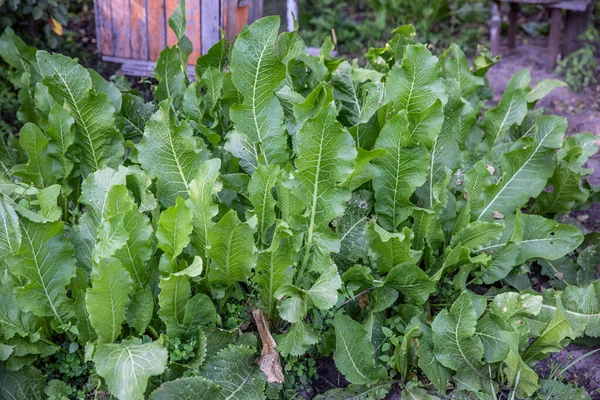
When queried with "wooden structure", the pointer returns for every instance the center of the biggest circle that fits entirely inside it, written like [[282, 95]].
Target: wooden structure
[[577, 20], [133, 32]]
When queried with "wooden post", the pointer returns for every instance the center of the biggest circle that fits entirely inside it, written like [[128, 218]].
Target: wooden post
[[554, 38], [495, 27], [512, 27], [576, 23]]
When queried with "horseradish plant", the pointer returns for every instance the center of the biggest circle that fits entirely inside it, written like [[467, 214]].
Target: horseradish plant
[[354, 209]]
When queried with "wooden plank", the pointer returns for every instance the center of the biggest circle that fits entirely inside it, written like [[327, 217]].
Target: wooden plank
[[554, 38], [140, 67], [139, 30], [210, 23], [255, 11], [120, 28], [157, 33], [192, 30], [229, 10], [512, 25], [104, 27], [241, 18], [170, 6]]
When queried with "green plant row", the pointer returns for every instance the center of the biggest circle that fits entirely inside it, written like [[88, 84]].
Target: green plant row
[[301, 205]]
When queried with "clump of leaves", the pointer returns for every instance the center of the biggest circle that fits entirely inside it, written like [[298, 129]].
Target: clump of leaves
[[579, 68], [357, 207]]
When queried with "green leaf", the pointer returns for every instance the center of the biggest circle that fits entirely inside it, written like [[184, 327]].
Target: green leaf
[[581, 307], [96, 191], [513, 307], [542, 89], [260, 187], [96, 137], [256, 73], [235, 371], [457, 67], [127, 366], [274, 268], [190, 388], [38, 170], [202, 189], [25, 384], [415, 84], [398, 173], [488, 329], [354, 354], [351, 228], [324, 292], [297, 340], [140, 310], [107, 299], [388, 250], [46, 265], [540, 238], [526, 169], [231, 250], [401, 351], [477, 235], [131, 121], [170, 153], [411, 281], [555, 390], [445, 154], [10, 231], [456, 345], [357, 392], [510, 111], [517, 371], [174, 229], [326, 156], [550, 340], [171, 72]]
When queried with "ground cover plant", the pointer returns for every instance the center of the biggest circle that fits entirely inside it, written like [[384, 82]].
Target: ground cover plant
[[283, 208]]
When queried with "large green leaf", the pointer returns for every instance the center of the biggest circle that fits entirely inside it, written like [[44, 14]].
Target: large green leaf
[[326, 155], [25, 384], [456, 345], [98, 191], [46, 265], [357, 392], [174, 228], [260, 187], [38, 170], [10, 231], [202, 189], [171, 154], [533, 237], [415, 84], [256, 73], [457, 67], [274, 267], [107, 299], [127, 366], [231, 250], [61, 137], [96, 136], [388, 250], [510, 111], [526, 169], [398, 173], [235, 371], [354, 353], [190, 388]]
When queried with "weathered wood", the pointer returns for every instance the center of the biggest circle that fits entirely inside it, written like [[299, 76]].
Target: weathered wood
[[255, 11], [554, 38], [170, 6], [241, 17], [121, 27], [193, 30], [576, 23], [140, 67], [495, 27], [104, 24], [512, 25], [211, 23], [157, 36], [139, 30]]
